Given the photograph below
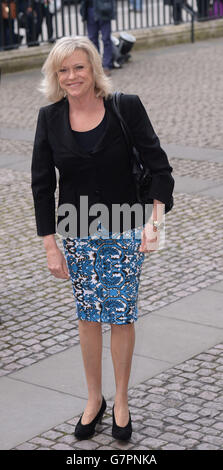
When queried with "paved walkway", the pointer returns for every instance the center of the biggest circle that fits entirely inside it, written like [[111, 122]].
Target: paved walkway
[[175, 394]]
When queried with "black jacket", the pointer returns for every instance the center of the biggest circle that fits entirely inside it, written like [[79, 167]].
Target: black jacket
[[104, 175], [104, 10]]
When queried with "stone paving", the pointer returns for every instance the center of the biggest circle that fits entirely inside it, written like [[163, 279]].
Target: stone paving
[[16, 147], [181, 408], [211, 171]]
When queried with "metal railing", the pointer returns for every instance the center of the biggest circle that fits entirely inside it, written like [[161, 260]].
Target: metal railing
[[192, 13], [31, 22]]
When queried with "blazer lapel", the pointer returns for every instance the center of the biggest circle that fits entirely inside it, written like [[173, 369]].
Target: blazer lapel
[[60, 126]]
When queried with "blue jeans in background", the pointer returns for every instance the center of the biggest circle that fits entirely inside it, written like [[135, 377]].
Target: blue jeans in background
[[94, 27], [136, 4]]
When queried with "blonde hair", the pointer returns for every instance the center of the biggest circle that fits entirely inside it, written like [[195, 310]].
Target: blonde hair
[[63, 48]]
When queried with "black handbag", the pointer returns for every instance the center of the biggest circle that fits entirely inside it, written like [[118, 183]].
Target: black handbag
[[142, 176]]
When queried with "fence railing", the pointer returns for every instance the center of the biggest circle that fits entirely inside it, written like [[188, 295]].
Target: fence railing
[[32, 22]]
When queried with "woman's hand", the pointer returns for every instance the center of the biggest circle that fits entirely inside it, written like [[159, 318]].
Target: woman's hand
[[57, 264], [150, 239]]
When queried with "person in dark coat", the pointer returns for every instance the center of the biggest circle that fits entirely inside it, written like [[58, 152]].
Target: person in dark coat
[[177, 10], [98, 15], [8, 38], [203, 10], [81, 136], [33, 13], [32, 20]]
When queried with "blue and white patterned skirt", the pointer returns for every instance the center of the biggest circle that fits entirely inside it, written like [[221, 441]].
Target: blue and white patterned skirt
[[105, 276]]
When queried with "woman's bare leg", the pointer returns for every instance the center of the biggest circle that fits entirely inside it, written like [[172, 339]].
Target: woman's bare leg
[[90, 334], [122, 346]]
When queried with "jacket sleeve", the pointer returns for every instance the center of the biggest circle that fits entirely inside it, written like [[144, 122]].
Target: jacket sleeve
[[153, 156], [43, 179]]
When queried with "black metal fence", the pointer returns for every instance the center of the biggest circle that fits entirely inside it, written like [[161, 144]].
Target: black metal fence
[[31, 22]]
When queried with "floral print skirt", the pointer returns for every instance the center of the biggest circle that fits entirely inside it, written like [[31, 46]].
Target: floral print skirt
[[105, 276]]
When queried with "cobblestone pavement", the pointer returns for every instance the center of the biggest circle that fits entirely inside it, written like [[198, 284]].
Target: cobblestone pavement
[[15, 147], [183, 407], [179, 409]]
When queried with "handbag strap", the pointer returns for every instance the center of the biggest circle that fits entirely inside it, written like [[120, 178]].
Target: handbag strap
[[127, 134], [116, 106]]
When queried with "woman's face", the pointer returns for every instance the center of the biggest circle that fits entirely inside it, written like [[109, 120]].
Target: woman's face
[[75, 75]]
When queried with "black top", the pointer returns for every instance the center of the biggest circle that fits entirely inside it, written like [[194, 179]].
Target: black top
[[87, 140], [104, 175]]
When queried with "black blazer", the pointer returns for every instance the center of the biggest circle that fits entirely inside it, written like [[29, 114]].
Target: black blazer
[[104, 175]]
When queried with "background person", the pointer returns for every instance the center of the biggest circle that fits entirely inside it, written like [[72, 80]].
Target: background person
[[217, 9], [176, 10], [8, 38], [32, 20], [34, 12], [46, 13], [98, 15], [203, 10], [135, 5]]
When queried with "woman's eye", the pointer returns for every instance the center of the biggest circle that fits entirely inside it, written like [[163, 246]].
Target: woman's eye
[[78, 67]]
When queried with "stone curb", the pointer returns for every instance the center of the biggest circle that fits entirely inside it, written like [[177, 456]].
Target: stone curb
[[171, 34], [25, 58]]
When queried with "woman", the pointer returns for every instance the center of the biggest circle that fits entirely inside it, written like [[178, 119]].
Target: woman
[[81, 136]]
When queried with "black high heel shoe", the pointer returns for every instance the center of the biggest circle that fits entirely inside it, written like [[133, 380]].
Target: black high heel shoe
[[120, 432], [84, 431]]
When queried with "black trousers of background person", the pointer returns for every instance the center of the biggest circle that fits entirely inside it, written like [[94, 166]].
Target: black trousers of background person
[[49, 20], [7, 35], [177, 11], [34, 21], [203, 8]]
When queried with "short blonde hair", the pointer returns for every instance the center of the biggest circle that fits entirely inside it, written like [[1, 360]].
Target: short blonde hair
[[63, 48]]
